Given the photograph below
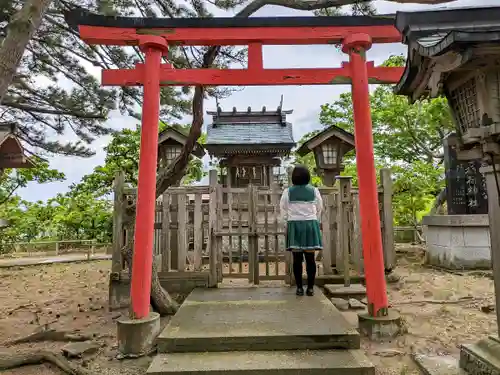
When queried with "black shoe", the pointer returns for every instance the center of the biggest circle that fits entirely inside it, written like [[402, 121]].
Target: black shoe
[[310, 292], [300, 291]]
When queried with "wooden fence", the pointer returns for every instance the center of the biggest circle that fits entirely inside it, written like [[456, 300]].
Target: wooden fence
[[237, 232], [42, 248]]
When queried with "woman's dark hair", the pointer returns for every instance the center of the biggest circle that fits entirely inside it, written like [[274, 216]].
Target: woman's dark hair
[[301, 175]]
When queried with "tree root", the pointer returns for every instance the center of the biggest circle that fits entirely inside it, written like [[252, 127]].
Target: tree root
[[439, 301], [35, 357], [161, 300], [45, 333]]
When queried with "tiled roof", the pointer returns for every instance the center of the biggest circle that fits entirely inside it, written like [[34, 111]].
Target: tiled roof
[[248, 134]]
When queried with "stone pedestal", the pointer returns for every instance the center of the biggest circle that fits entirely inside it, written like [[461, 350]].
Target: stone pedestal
[[458, 241], [481, 358], [136, 336], [380, 328]]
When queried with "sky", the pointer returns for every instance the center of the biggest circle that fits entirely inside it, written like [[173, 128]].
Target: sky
[[304, 100]]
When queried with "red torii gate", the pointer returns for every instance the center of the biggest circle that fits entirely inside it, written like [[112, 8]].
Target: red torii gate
[[153, 36]]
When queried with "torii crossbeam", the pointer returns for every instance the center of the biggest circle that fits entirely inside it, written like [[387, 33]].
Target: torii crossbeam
[[155, 35]]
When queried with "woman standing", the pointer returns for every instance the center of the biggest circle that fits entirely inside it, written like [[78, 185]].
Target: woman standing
[[301, 206]]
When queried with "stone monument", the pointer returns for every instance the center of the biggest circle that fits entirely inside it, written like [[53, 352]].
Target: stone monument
[[455, 53]]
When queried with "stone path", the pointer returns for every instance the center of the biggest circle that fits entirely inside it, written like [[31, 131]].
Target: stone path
[[257, 330]]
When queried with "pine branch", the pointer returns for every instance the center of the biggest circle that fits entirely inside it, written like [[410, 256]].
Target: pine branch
[[29, 108], [255, 5]]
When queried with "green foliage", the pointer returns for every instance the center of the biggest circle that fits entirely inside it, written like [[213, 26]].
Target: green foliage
[[55, 93], [407, 138], [122, 154], [13, 179]]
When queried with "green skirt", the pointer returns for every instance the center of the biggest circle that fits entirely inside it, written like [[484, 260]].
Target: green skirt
[[303, 235]]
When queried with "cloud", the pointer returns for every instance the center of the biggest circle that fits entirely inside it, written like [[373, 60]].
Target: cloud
[[304, 100]]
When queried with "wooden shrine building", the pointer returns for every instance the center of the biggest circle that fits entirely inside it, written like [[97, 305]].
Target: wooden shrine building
[[249, 144], [12, 154]]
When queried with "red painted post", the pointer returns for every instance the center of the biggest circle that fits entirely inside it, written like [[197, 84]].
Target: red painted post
[[355, 45], [146, 186]]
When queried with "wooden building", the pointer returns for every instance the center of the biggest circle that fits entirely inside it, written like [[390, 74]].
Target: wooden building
[[12, 153], [249, 145], [170, 143]]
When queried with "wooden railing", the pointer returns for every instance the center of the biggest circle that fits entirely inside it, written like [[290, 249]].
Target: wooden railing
[[49, 248]]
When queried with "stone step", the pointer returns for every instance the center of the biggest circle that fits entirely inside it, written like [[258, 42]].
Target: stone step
[[219, 320], [310, 362]]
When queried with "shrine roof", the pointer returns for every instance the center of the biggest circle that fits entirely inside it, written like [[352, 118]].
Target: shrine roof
[[171, 132], [332, 131], [250, 134], [81, 16], [11, 151], [431, 35]]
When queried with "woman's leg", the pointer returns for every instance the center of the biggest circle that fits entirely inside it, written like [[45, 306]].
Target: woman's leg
[[297, 270], [311, 271]]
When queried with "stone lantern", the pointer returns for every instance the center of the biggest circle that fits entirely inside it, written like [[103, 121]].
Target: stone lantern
[[329, 148], [170, 143], [455, 53]]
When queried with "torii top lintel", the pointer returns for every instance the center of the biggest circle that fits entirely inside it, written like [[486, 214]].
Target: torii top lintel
[[110, 30]]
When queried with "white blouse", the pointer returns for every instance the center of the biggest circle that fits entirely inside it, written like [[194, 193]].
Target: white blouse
[[294, 211]]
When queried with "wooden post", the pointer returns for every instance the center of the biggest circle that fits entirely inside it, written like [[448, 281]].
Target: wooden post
[[219, 221], [356, 250], [253, 240], [166, 257], [198, 232], [344, 199], [387, 219], [230, 215], [118, 212], [57, 247], [288, 255], [492, 175], [212, 219], [182, 232], [328, 246]]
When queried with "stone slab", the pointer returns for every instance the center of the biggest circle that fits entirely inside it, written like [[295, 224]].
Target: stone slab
[[356, 304], [438, 365], [481, 358], [311, 362], [340, 303], [341, 291], [79, 349], [256, 319]]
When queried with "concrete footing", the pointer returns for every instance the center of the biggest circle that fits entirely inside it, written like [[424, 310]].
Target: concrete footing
[[380, 327], [482, 357], [136, 336]]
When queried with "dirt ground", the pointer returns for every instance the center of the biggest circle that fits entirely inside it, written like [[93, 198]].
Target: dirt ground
[[441, 311]]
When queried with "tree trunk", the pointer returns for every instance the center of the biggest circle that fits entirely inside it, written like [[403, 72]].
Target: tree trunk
[[19, 32], [438, 202]]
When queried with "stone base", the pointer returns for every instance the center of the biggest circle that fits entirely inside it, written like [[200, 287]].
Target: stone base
[[458, 241], [136, 336], [481, 358], [380, 327], [276, 362], [437, 365]]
